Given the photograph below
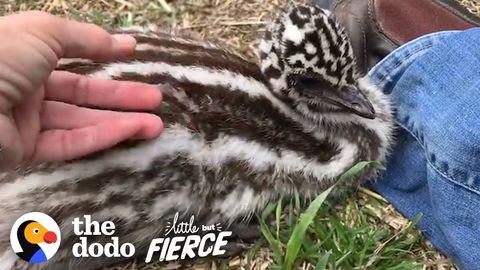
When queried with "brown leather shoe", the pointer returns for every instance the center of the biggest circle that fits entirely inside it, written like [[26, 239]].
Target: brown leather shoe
[[377, 27]]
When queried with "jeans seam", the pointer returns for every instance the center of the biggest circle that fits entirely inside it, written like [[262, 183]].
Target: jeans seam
[[433, 166], [469, 188]]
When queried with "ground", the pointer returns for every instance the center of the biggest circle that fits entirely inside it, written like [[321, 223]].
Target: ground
[[360, 231]]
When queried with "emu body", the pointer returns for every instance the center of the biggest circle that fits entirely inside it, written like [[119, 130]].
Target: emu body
[[233, 140]]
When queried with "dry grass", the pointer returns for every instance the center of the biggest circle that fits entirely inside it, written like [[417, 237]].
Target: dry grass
[[472, 5], [238, 24]]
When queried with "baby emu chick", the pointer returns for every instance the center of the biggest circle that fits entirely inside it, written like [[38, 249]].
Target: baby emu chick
[[236, 136]]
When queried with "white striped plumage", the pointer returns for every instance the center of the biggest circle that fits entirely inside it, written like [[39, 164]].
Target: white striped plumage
[[270, 149]]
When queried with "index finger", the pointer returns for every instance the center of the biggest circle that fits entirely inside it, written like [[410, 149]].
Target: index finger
[[72, 39]]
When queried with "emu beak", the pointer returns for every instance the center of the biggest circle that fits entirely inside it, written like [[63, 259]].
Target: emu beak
[[352, 99]]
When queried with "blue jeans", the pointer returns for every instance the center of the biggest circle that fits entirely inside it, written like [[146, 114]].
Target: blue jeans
[[434, 169]]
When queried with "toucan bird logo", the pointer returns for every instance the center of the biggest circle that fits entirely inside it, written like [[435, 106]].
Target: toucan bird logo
[[35, 237]]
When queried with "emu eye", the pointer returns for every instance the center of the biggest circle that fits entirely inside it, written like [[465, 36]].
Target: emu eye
[[36, 231], [311, 86], [308, 82]]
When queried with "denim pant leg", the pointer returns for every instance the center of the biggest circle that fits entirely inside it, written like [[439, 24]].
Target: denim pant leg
[[434, 168]]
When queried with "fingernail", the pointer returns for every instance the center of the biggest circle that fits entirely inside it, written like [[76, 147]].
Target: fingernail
[[123, 42]]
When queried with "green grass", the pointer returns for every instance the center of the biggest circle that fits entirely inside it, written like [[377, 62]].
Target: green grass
[[151, 10], [323, 240]]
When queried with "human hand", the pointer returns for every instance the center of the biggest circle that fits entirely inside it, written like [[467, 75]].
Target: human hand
[[41, 118]]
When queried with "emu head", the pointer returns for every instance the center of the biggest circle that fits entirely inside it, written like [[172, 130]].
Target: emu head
[[308, 60]]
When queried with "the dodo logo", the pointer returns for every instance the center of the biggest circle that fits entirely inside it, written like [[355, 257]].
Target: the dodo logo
[[35, 237]]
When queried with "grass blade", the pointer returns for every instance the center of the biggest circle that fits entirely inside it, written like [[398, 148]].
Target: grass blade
[[298, 234], [278, 217], [306, 219], [274, 244], [358, 168], [322, 262]]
